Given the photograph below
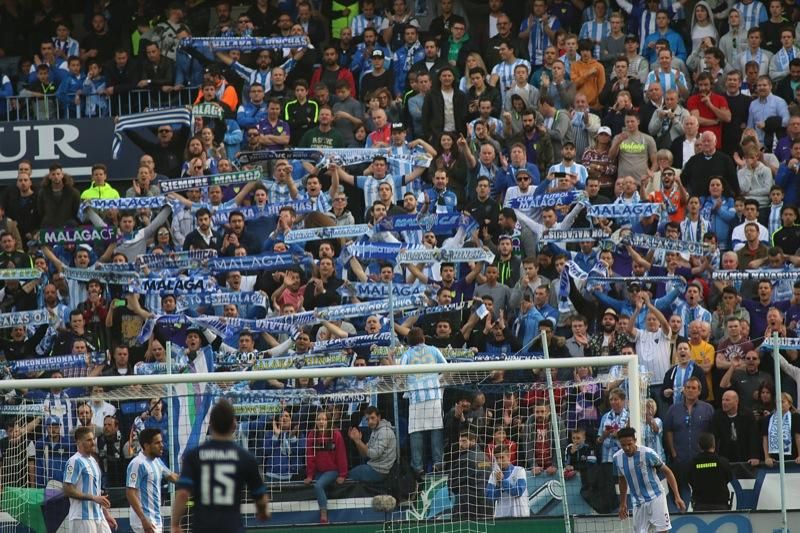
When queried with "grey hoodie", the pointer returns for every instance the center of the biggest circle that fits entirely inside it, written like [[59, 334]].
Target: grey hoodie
[[382, 447]]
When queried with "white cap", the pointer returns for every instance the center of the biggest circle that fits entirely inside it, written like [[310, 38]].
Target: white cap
[[604, 129]]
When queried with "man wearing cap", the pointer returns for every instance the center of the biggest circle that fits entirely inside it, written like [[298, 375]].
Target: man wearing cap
[[608, 341], [53, 451], [372, 58]]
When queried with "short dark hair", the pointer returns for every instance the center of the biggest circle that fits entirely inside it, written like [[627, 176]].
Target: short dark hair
[[147, 435], [82, 431], [706, 441], [626, 432], [223, 417], [415, 337]]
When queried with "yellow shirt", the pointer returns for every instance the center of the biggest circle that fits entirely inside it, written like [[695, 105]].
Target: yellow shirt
[[704, 354], [102, 192]]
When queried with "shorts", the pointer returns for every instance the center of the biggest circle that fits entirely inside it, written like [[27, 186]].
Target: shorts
[[139, 529], [653, 514], [89, 526]]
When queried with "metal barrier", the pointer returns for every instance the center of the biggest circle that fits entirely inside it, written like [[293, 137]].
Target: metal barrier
[[49, 107]]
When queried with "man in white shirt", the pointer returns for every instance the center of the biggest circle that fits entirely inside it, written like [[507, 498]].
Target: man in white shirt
[[652, 344], [750, 216]]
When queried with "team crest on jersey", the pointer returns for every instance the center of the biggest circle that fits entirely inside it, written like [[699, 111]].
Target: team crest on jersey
[[133, 477], [426, 221], [70, 468]]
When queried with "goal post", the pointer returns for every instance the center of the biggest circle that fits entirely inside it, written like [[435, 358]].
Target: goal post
[[415, 504]]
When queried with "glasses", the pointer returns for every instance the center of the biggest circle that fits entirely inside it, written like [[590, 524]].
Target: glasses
[[252, 134], [198, 167], [164, 131], [523, 178], [667, 174]]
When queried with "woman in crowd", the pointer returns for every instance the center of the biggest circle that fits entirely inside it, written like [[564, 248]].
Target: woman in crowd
[[787, 443], [326, 461]]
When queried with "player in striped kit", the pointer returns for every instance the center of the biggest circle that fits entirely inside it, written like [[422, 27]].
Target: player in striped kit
[[88, 508], [637, 468], [143, 483]]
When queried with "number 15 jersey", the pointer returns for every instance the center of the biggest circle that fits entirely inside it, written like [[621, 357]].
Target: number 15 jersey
[[215, 473]]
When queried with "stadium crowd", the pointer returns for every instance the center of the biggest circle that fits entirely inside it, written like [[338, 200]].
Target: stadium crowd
[[538, 126]]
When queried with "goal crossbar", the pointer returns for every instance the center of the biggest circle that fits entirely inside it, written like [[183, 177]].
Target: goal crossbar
[[332, 372]]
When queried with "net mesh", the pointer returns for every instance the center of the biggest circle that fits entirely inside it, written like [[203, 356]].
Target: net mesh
[[443, 476]]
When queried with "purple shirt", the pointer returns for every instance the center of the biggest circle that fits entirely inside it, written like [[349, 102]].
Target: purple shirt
[[280, 128]]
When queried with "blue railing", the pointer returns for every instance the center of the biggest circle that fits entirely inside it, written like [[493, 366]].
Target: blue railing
[[49, 107]]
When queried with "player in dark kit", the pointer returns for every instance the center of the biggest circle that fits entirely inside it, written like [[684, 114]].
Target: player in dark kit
[[215, 473]]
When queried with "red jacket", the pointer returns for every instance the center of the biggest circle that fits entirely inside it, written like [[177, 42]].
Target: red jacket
[[341, 74], [320, 459]]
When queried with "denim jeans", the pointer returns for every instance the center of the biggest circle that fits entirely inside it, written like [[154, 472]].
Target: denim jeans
[[365, 473], [418, 439], [321, 481]]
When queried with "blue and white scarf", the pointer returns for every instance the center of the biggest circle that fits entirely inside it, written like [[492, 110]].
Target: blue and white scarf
[[772, 435], [267, 262], [640, 240], [573, 235], [245, 44], [623, 210], [226, 326], [446, 255], [109, 277], [252, 212], [329, 232], [192, 301], [24, 318], [341, 312], [527, 202], [19, 274], [767, 273], [56, 362], [179, 285], [368, 291], [124, 204], [148, 119], [176, 260], [196, 182], [347, 343]]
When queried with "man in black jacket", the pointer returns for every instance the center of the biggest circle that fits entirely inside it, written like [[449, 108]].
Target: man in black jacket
[[203, 237], [736, 431], [435, 110], [167, 152], [122, 75], [697, 172], [709, 475]]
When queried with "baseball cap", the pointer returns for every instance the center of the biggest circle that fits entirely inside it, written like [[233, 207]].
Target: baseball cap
[[604, 129], [52, 421], [377, 53], [609, 311], [399, 126]]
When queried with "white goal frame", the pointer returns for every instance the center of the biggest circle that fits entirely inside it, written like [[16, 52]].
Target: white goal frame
[[629, 362]]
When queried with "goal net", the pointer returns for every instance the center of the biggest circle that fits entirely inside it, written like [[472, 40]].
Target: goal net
[[413, 447]]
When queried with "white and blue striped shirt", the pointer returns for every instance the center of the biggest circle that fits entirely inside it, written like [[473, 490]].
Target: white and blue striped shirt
[[361, 23], [753, 14], [639, 471], [575, 168], [538, 39], [264, 77], [596, 32], [690, 314], [669, 80], [646, 26], [775, 222], [404, 167], [144, 475], [370, 184], [84, 473], [505, 71], [423, 387]]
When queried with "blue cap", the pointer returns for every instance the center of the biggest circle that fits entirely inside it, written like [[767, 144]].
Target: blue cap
[[52, 421]]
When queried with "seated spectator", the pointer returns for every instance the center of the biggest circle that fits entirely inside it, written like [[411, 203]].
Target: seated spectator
[[380, 451], [284, 449], [326, 460]]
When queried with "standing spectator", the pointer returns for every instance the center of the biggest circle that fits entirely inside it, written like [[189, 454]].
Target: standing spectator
[[588, 74], [508, 486], [683, 425], [58, 200], [636, 150], [425, 396], [301, 113], [769, 114], [709, 162], [445, 107], [773, 442], [744, 377], [709, 475], [735, 430]]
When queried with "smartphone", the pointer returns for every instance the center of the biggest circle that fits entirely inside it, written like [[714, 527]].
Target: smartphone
[[559, 174], [118, 302]]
